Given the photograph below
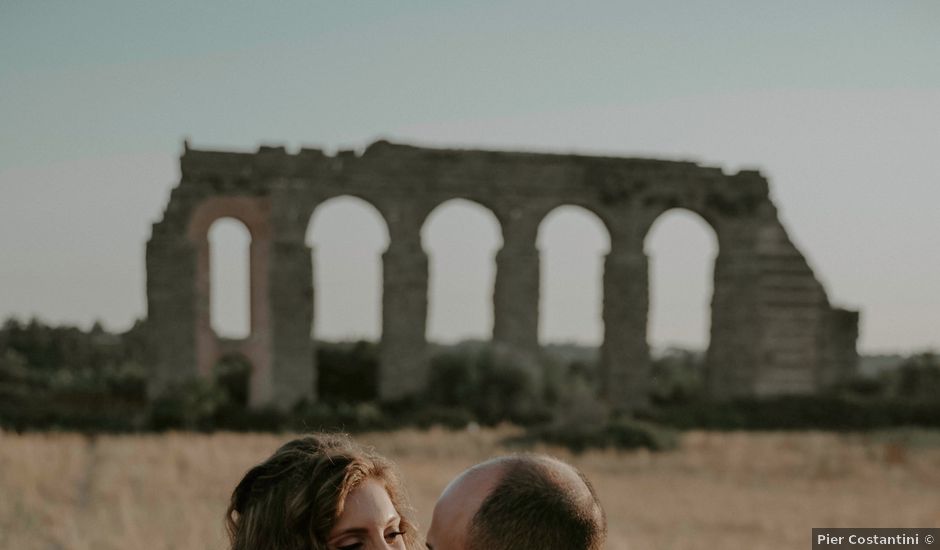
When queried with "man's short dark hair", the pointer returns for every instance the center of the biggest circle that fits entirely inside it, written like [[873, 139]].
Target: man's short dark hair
[[532, 507]]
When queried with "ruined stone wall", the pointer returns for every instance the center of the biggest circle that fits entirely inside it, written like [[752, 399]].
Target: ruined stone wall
[[773, 330]]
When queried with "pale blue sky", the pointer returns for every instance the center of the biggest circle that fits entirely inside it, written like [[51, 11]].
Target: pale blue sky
[[838, 103]]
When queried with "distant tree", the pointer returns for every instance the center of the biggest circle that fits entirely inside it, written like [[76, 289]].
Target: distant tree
[[677, 376], [918, 377]]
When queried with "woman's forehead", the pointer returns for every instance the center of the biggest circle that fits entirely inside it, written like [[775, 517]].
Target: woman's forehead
[[367, 505]]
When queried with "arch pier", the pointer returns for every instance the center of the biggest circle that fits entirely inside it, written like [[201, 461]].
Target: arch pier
[[773, 330]]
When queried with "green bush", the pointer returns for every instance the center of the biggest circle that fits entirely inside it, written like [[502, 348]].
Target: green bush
[[677, 377], [67, 378], [827, 412], [346, 417], [917, 378], [45, 347], [192, 405], [232, 374], [347, 372], [241, 419], [493, 386]]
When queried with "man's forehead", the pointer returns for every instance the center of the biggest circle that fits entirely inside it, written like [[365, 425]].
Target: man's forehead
[[474, 484], [459, 503], [464, 495]]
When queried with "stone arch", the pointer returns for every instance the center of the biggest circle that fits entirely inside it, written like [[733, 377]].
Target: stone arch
[[445, 266], [703, 227], [254, 213], [375, 204], [601, 232], [428, 209], [376, 207], [359, 205], [708, 216], [224, 232]]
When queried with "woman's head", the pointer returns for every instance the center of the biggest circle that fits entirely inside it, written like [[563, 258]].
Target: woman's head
[[320, 492]]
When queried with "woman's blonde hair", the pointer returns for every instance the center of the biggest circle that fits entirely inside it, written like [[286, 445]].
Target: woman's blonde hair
[[292, 500]]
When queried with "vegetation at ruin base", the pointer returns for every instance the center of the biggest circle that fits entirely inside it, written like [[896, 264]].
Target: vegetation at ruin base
[[66, 378]]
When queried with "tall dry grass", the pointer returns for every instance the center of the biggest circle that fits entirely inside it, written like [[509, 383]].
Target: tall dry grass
[[734, 490]]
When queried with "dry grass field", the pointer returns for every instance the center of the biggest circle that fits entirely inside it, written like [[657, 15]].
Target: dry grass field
[[719, 490]]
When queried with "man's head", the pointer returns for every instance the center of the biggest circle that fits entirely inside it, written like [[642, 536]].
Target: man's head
[[524, 501]]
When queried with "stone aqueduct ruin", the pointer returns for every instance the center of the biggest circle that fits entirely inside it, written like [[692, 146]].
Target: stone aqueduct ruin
[[773, 330]]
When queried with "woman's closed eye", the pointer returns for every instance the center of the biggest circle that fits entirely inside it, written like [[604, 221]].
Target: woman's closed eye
[[390, 538], [393, 535]]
